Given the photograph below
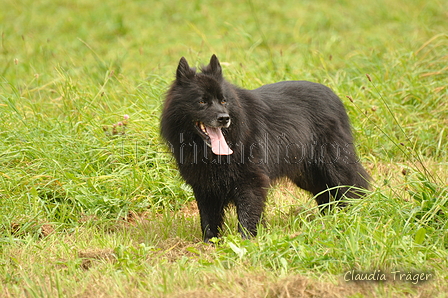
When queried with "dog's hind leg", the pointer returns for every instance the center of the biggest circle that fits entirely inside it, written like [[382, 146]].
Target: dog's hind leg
[[341, 182]]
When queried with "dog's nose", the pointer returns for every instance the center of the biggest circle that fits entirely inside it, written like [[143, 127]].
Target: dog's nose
[[223, 119]]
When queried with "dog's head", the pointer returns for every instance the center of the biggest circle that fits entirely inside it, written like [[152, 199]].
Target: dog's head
[[206, 93]]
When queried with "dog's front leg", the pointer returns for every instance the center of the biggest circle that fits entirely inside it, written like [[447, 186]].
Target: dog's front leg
[[249, 200], [211, 210]]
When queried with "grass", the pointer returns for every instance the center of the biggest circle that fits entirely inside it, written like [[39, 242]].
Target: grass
[[91, 208]]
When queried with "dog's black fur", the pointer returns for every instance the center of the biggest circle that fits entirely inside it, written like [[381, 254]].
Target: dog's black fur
[[294, 129]]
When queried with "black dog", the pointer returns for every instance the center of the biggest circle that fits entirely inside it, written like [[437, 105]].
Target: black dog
[[231, 143]]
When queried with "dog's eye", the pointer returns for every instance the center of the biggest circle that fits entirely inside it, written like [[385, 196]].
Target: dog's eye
[[223, 101], [202, 102]]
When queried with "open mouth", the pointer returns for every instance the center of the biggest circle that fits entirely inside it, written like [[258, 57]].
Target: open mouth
[[203, 133], [214, 138]]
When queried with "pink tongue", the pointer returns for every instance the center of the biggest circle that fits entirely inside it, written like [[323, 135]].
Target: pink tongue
[[219, 144]]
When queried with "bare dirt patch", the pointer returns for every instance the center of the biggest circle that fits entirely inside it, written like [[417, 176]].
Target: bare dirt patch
[[92, 256], [22, 229], [175, 248], [261, 285], [190, 209]]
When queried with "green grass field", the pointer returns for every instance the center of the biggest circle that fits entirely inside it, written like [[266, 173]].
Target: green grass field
[[92, 208]]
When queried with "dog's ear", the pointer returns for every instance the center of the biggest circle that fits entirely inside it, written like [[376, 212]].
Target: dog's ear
[[184, 72], [215, 66]]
